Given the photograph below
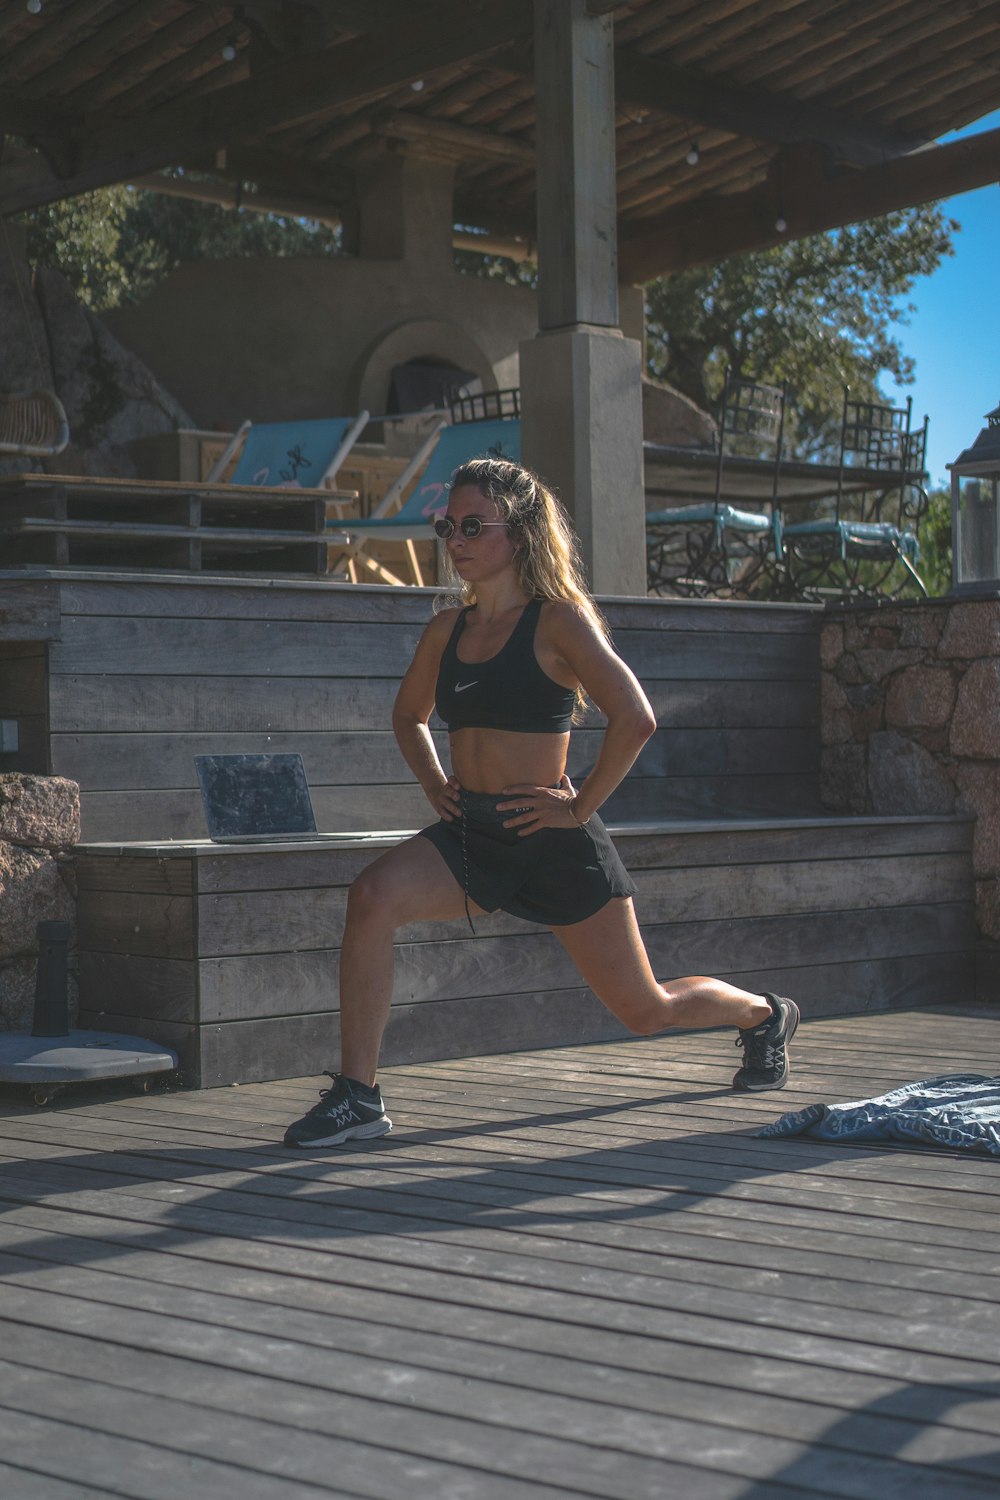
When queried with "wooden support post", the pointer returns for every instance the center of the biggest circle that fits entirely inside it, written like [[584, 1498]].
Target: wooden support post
[[581, 380]]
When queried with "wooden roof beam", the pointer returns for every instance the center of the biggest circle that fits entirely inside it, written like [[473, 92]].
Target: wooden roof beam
[[651, 83], [461, 141], [290, 93], [811, 201]]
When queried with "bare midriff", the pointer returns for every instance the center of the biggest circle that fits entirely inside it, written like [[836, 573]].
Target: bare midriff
[[487, 760]]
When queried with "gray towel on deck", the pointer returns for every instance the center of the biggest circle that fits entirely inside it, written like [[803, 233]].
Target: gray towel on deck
[[960, 1111]]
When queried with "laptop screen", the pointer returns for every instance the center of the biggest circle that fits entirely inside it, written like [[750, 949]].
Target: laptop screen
[[255, 796]]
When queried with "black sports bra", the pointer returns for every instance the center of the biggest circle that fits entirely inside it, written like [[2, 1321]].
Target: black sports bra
[[509, 691]]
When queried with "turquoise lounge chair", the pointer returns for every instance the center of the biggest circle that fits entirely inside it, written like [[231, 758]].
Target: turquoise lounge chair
[[289, 455], [445, 450]]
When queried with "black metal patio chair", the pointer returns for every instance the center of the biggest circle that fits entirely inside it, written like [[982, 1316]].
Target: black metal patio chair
[[867, 544], [714, 548]]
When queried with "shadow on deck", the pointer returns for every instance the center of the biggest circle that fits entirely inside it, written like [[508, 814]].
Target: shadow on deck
[[569, 1272]]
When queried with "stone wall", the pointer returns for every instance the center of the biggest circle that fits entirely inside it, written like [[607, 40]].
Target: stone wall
[[911, 720], [39, 824]]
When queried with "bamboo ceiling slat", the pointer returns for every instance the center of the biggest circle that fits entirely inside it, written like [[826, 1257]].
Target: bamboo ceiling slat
[[211, 81], [737, 169], [155, 87], [810, 49], [662, 15], [948, 67], [450, 103], [492, 108], [138, 65], [887, 60], [49, 37], [711, 32], [93, 52], [828, 51]]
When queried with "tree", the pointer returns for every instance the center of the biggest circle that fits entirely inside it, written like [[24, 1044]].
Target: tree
[[818, 313], [935, 542], [80, 238], [113, 245]]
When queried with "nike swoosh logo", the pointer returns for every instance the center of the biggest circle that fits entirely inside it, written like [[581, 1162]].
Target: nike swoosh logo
[[460, 687]]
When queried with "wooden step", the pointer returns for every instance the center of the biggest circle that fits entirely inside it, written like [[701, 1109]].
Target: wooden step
[[229, 954]]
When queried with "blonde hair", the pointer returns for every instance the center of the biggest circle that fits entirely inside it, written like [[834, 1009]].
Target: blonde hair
[[547, 558]]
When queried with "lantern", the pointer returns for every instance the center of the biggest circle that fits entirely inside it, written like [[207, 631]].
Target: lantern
[[975, 519]]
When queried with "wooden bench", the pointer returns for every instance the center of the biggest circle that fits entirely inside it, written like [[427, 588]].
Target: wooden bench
[[229, 954]]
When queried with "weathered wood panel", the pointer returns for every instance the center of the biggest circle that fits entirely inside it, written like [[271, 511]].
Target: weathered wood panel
[[124, 762], [199, 704], [514, 959], [29, 609], [325, 649], [157, 988], [24, 697], [807, 909]]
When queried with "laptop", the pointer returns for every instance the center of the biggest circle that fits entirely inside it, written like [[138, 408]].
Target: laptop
[[255, 798]]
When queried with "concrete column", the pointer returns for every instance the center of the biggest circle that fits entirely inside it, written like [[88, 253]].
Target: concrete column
[[405, 207], [581, 380], [581, 429]]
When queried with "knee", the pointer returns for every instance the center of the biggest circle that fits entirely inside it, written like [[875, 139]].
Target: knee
[[369, 900], [643, 1019], [646, 1023]]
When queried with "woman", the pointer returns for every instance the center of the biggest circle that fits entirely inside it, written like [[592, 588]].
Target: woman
[[506, 674]]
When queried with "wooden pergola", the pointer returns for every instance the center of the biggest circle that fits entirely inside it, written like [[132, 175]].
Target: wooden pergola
[[616, 141]]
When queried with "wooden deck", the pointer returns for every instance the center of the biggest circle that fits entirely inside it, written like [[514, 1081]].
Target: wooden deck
[[566, 1273]]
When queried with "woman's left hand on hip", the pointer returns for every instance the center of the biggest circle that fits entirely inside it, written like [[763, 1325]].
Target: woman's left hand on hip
[[531, 808]]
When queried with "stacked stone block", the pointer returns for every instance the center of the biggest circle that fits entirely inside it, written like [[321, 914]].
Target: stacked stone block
[[39, 824], [911, 721]]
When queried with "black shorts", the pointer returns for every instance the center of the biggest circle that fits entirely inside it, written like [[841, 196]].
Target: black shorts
[[556, 876]]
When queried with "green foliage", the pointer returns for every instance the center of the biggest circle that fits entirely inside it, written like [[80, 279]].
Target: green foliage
[[80, 238], [496, 268], [818, 313], [115, 244], [935, 543]]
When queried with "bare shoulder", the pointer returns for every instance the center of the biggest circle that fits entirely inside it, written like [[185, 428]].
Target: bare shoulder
[[441, 624], [567, 624]]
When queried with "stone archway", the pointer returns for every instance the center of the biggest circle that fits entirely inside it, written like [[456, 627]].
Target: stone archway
[[428, 340]]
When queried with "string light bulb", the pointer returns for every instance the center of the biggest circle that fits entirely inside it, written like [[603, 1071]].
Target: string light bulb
[[693, 156], [781, 224], [34, 7], [417, 85], [229, 50]]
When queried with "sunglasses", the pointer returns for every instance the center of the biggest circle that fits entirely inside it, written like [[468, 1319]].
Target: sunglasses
[[469, 526]]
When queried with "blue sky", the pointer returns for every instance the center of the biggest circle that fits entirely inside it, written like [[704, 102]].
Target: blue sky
[[954, 334]]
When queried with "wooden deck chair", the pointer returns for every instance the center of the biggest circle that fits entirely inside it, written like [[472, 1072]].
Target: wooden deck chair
[[289, 455], [33, 424], [448, 448]]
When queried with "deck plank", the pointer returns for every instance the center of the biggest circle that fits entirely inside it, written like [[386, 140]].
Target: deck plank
[[570, 1272]]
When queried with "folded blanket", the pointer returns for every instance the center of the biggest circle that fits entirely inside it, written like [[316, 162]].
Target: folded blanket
[[960, 1111]]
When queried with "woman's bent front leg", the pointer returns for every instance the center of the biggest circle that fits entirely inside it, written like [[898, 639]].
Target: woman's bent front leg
[[608, 950], [410, 883]]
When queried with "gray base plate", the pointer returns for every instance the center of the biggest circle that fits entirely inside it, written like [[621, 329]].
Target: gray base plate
[[79, 1055]]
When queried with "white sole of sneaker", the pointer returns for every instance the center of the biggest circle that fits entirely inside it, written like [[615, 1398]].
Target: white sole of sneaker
[[352, 1133]]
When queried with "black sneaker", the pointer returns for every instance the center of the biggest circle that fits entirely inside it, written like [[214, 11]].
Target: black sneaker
[[765, 1056], [345, 1110]]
